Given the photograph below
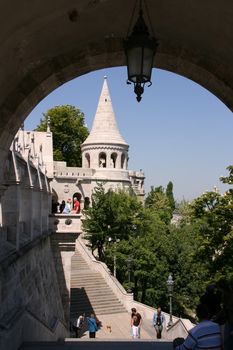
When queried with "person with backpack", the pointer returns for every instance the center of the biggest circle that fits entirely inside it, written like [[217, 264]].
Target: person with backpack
[[158, 322], [92, 326]]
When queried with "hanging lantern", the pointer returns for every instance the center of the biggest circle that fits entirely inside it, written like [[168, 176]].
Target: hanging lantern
[[140, 49]]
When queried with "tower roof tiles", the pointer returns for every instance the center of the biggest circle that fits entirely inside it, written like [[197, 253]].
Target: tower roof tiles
[[104, 127]]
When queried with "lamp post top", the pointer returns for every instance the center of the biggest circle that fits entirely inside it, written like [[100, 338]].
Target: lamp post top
[[170, 281]]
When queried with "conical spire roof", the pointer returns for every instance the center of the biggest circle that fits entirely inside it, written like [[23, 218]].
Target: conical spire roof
[[104, 127]]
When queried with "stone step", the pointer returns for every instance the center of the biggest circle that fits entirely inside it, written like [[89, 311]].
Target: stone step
[[86, 276], [86, 279], [93, 282], [90, 274], [88, 285], [94, 297], [93, 290], [79, 263], [81, 267], [102, 306], [96, 302], [90, 292], [81, 280], [78, 257], [97, 311]]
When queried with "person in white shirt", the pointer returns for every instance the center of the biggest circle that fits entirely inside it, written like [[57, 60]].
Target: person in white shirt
[[78, 325]]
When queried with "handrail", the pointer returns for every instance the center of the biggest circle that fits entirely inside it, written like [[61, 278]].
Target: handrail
[[104, 266]]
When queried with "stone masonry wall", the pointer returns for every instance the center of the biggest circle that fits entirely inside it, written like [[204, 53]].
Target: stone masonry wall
[[63, 248], [28, 280]]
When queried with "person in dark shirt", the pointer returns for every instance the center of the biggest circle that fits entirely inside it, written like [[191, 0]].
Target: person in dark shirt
[[136, 321], [62, 206]]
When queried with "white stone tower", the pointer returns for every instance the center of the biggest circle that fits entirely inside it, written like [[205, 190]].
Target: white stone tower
[[105, 150]]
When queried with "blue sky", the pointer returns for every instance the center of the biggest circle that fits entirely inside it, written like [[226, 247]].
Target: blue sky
[[179, 132]]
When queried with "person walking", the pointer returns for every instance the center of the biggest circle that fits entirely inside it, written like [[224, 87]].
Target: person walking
[[136, 321], [92, 326], [158, 322]]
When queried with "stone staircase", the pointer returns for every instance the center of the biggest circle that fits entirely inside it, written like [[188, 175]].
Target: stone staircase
[[90, 292]]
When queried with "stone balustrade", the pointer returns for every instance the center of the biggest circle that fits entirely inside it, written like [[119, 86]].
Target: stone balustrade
[[65, 223]]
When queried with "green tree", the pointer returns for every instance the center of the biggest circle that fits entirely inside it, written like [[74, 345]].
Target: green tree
[[69, 132], [184, 210], [157, 201], [149, 266], [170, 196], [214, 215], [112, 214]]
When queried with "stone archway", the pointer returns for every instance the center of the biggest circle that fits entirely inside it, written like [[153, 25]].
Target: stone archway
[[49, 44]]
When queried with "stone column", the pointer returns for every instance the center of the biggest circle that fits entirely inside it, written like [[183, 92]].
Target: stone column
[[118, 160], [108, 159], [41, 211], [2, 191], [31, 228], [17, 214]]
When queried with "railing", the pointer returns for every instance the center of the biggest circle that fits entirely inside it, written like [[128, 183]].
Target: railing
[[117, 288]]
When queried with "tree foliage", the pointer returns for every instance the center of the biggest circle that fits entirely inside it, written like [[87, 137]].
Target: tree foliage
[[158, 201], [69, 132], [197, 251], [214, 215], [112, 214], [170, 196]]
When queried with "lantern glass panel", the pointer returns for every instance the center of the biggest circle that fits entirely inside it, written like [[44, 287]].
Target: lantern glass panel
[[147, 63], [134, 63], [170, 288], [129, 262]]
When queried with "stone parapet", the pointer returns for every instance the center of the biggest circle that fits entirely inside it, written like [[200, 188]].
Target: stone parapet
[[73, 172], [30, 297], [67, 223], [111, 174]]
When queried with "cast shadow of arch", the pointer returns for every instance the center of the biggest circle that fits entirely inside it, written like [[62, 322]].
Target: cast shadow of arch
[[79, 305]]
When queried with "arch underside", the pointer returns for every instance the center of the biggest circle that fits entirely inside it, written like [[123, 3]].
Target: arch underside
[[189, 45]]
